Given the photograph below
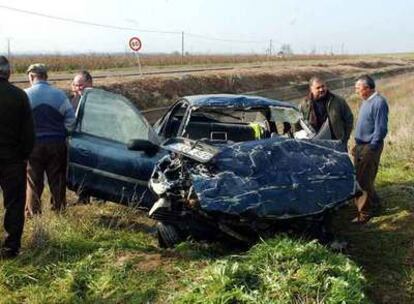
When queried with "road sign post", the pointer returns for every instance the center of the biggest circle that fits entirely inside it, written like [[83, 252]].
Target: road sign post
[[135, 45]]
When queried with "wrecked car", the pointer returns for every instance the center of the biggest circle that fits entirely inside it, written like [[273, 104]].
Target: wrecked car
[[213, 165]]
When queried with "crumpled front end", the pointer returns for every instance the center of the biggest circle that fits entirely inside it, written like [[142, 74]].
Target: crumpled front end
[[277, 178]]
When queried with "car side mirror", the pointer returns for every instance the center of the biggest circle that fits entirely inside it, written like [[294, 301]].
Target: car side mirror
[[143, 145]]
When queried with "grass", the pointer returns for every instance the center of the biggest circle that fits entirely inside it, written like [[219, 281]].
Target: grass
[[105, 253], [281, 270], [74, 259]]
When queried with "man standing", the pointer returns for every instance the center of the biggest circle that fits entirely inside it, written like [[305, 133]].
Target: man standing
[[325, 110], [81, 81], [16, 143], [371, 129], [53, 115]]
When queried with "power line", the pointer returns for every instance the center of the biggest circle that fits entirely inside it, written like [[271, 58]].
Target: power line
[[224, 40], [109, 26], [84, 22]]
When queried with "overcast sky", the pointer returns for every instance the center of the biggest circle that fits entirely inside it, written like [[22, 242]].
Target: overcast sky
[[350, 26]]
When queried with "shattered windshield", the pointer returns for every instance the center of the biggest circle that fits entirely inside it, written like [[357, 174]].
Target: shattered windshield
[[282, 114], [229, 115]]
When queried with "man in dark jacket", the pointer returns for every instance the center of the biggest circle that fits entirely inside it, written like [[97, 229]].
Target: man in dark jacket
[[16, 142], [325, 110]]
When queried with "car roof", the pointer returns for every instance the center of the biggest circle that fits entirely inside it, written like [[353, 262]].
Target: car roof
[[231, 100]]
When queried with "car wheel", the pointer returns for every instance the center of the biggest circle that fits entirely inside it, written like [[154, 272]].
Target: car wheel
[[168, 235]]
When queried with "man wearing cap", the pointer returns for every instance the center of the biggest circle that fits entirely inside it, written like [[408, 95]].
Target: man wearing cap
[[16, 142], [53, 116]]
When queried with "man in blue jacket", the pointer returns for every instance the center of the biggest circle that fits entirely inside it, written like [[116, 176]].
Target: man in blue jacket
[[371, 129], [53, 116]]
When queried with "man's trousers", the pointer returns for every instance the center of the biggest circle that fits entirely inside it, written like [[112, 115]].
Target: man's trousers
[[13, 184], [49, 158], [366, 163]]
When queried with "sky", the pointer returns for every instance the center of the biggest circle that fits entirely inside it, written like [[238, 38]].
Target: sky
[[209, 27]]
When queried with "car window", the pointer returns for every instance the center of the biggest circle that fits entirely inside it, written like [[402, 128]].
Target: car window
[[111, 116], [172, 121]]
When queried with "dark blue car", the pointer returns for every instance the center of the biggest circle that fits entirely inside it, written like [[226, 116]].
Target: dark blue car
[[214, 164]]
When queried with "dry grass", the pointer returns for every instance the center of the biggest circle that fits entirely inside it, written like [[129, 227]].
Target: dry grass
[[399, 143], [400, 139], [118, 61]]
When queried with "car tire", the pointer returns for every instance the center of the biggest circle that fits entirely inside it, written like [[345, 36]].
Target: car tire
[[168, 235]]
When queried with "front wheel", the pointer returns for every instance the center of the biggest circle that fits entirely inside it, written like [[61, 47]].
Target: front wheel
[[168, 235]]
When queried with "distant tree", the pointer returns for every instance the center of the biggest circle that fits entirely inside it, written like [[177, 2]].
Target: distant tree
[[286, 49]]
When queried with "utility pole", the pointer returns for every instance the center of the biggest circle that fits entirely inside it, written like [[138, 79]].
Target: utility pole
[[8, 49], [182, 47], [270, 48]]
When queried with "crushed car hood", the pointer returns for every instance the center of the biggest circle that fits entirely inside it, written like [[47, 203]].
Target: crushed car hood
[[276, 178]]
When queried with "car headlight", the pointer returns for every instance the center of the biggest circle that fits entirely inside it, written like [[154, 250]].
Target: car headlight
[[159, 187]]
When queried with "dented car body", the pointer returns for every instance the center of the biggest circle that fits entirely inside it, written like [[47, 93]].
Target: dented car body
[[217, 164]]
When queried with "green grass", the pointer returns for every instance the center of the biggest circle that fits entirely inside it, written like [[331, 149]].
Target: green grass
[[73, 259], [105, 253], [281, 270]]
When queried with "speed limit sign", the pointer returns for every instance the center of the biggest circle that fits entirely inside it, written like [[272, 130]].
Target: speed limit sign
[[135, 44]]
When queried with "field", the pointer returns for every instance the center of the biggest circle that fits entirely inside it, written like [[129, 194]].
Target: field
[[65, 63], [105, 253]]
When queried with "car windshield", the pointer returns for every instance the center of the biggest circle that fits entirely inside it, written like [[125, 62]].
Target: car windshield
[[231, 124], [229, 115]]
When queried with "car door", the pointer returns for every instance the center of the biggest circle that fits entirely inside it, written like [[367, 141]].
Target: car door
[[100, 162]]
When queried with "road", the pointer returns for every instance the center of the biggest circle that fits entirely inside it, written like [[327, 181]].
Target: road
[[53, 77]]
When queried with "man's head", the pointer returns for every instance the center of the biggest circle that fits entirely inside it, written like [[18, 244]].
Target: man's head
[[81, 81], [317, 88], [4, 68], [365, 86], [36, 72]]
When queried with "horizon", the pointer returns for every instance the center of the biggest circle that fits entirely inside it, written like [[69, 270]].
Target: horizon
[[207, 27]]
